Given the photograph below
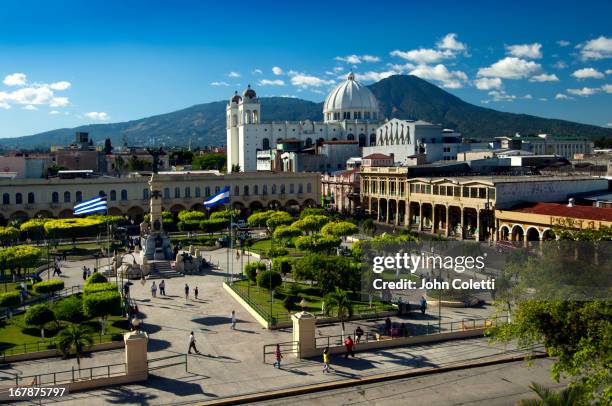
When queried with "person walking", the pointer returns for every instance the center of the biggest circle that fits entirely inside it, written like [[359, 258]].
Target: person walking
[[326, 367], [423, 304], [348, 344], [195, 293], [88, 272], [84, 272], [278, 357], [162, 288], [192, 344], [233, 316], [358, 334], [388, 326], [186, 292], [153, 290]]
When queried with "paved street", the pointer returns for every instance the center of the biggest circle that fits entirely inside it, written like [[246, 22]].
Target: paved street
[[231, 361]]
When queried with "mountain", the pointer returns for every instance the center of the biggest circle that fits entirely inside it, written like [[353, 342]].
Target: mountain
[[400, 96]]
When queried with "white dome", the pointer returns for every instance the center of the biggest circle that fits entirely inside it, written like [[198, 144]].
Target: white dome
[[352, 97]]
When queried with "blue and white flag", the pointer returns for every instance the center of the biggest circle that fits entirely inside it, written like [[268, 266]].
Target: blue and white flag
[[95, 205], [220, 198]]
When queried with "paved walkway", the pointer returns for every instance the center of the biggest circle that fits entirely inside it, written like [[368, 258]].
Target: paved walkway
[[231, 363]]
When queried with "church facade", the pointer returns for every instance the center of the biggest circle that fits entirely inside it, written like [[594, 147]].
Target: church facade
[[350, 113]]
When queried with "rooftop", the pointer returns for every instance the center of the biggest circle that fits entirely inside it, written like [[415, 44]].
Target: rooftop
[[377, 156], [563, 210]]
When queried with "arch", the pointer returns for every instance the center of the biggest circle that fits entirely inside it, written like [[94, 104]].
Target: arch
[[44, 214], [274, 204], [66, 213], [255, 116], [255, 206], [292, 205], [124, 194], [362, 140], [177, 208], [504, 233], [6, 198], [309, 203], [136, 213], [113, 195], [320, 141], [517, 233], [532, 234], [79, 196], [31, 199], [372, 139], [238, 206], [115, 211], [197, 207], [548, 235], [350, 137], [265, 144], [21, 215]]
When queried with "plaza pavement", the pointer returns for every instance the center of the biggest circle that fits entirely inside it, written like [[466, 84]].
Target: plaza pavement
[[232, 361]]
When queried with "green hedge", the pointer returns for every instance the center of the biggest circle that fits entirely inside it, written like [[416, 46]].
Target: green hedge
[[102, 304], [98, 287], [10, 299], [96, 277], [49, 286]]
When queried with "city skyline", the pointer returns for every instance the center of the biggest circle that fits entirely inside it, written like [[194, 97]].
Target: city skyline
[[106, 62]]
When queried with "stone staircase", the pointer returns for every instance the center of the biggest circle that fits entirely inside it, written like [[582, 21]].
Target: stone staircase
[[161, 269]]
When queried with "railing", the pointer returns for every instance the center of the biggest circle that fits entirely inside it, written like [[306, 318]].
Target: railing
[[412, 331], [51, 344], [51, 297], [178, 359], [63, 377], [289, 347]]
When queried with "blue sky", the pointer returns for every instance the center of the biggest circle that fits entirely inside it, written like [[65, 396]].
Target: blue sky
[[68, 63]]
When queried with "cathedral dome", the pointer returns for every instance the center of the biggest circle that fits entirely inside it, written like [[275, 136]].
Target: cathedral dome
[[236, 98], [350, 100], [249, 93]]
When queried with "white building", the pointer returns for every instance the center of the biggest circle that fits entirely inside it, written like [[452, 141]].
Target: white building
[[350, 112]]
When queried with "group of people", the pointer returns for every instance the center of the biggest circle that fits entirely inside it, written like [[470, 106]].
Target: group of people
[[161, 286], [87, 272]]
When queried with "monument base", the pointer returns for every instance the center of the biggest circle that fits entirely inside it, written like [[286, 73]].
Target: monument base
[[156, 246]]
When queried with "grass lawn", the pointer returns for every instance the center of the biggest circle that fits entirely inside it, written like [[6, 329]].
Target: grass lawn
[[262, 246], [15, 333], [312, 295]]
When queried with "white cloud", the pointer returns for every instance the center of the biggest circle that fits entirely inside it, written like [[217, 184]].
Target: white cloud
[[97, 115], [608, 71], [32, 95], [510, 68], [303, 80], [563, 43], [219, 83], [423, 55], [257, 72], [588, 73], [450, 42], [544, 77], [532, 51], [561, 96], [528, 97], [54, 112], [4, 105], [372, 76], [543, 99], [268, 82], [607, 88], [584, 92], [15, 79], [277, 70], [233, 74], [62, 85], [30, 107], [501, 95], [59, 102], [449, 79], [560, 65], [488, 83], [338, 68], [599, 48], [357, 59]]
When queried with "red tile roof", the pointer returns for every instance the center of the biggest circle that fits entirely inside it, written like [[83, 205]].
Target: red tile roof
[[377, 156], [562, 210]]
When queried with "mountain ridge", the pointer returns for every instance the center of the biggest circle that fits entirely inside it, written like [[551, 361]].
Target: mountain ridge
[[399, 96]]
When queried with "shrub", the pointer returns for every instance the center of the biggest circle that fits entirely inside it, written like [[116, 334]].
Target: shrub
[[195, 216], [39, 315], [189, 225], [70, 309], [49, 286], [73, 227], [279, 218], [102, 304], [312, 211], [10, 299], [317, 243], [282, 265], [96, 277], [340, 229], [269, 280], [34, 229], [276, 252], [213, 225], [98, 287], [251, 270], [287, 232], [290, 302], [225, 215], [311, 223], [8, 235], [259, 219]]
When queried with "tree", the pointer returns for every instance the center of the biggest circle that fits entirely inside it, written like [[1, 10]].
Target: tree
[[310, 211], [282, 265], [570, 396], [8, 235], [33, 229], [278, 218], [317, 243], [259, 219], [340, 229], [225, 215], [368, 227], [73, 227], [10, 300], [209, 161], [70, 309], [328, 272], [285, 233], [269, 280], [252, 269], [74, 339], [18, 258], [312, 223], [235, 168], [96, 277], [339, 305], [96, 287], [108, 147], [212, 226], [102, 305], [39, 315]]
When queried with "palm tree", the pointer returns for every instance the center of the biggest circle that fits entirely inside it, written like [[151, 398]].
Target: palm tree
[[339, 305], [74, 338], [570, 396]]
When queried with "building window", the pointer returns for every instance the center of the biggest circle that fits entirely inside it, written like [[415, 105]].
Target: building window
[[113, 195], [291, 188], [282, 189], [124, 194], [350, 137], [6, 198], [491, 193], [207, 191], [274, 189], [236, 190], [79, 196], [187, 191], [217, 188], [366, 115], [372, 140], [264, 190], [347, 115], [198, 192], [466, 191], [166, 193], [101, 193], [54, 197], [265, 144], [177, 192], [19, 198], [300, 188], [309, 188], [246, 190], [145, 194], [255, 190], [30, 198]]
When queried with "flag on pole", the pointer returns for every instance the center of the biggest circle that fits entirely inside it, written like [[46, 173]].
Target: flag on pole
[[95, 205], [220, 198]]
